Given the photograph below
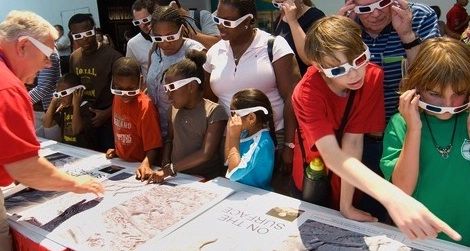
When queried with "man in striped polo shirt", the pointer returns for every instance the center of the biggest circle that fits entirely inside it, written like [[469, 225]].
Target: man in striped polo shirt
[[393, 30]]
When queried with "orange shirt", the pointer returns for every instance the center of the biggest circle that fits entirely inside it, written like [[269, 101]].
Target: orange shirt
[[136, 127]]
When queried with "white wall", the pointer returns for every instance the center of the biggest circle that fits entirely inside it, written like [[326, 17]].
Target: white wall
[[54, 11], [331, 6]]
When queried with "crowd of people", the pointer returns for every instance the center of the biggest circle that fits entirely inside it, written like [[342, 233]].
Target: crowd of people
[[210, 94]]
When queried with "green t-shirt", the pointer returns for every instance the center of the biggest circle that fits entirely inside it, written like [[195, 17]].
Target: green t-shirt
[[443, 184]]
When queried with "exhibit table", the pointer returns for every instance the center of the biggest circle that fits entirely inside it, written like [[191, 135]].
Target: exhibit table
[[181, 214]]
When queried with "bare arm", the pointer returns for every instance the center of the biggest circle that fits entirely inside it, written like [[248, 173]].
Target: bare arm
[[48, 120], [38, 173], [287, 76], [290, 11], [204, 39], [352, 144], [208, 94], [406, 172], [413, 219]]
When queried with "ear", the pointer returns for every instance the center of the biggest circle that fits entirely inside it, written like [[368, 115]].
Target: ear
[[20, 47], [251, 118], [317, 65]]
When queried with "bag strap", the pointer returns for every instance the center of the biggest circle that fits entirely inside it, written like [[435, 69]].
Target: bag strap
[[197, 19], [270, 48], [340, 132]]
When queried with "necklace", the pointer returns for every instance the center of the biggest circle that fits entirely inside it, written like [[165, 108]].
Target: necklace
[[443, 151]]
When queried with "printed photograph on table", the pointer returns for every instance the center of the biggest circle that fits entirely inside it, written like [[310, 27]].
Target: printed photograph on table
[[314, 235], [285, 213], [73, 165], [148, 212]]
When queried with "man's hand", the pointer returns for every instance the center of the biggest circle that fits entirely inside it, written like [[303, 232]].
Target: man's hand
[[100, 117], [143, 173], [86, 184], [402, 19]]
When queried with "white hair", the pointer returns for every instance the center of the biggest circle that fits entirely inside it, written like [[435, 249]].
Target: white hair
[[26, 23]]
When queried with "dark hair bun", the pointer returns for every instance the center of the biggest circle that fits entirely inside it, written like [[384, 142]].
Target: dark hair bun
[[198, 57]]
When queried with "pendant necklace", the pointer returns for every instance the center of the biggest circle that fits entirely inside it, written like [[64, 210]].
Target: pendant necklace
[[444, 151]]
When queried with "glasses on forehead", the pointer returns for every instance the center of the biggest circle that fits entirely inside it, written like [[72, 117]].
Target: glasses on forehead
[[276, 4], [82, 35], [180, 83], [441, 110], [343, 69], [364, 9], [130, 93], [230, 23], [168, 38], [68, 91], [144, 20], [246, 111], [46, 50]]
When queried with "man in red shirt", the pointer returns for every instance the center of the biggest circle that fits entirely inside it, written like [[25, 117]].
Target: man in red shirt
[[26, 44], [457, 18]]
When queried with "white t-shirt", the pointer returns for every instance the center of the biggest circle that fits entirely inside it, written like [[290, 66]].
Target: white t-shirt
[[254, 70], [138, 48]]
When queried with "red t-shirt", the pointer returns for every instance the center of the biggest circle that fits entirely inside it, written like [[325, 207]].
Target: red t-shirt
[[136, 127], [17, 135], [319, 112], [456, 16]]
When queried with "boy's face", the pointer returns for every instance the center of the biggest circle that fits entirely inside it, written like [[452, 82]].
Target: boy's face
[[352, 80], [444, 98], [87, 44], [126, 83], [67, 100]]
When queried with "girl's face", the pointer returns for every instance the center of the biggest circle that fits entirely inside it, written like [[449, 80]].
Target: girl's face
[[178, 98], [445, 98], [126, 83], [167, 29], [67, 100], [352, 80], [229, 12]]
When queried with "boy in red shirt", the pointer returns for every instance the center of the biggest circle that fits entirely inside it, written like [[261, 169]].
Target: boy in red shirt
[[340, 64], [136, 128]]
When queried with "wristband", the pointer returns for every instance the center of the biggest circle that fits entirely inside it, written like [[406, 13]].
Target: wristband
[[410, 45], [289, 144]]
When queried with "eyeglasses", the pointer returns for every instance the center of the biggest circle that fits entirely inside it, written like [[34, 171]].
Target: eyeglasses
[[68, 91], [82, 35], [144, 20], [180, 83], [230, 23], [276, 4], [364, 9], [131, 93], [246, 111], [343, 69], [442, 110], [46, 50], [168, 38]]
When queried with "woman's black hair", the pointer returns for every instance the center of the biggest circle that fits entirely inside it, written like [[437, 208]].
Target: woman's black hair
[[252, 97], [170, 15], [167, 2], [71, 79], [243, 6], [190, 66]]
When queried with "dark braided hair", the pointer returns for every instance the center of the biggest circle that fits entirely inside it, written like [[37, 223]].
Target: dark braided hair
[[170, 15], [190, 66], [243, 6], [252, 97]]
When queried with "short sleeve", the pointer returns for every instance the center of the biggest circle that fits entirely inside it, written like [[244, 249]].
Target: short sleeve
[[217, 114], [208, 66], [281, 48], [425, 22], [129, 52], [392, 145], [150, 128], [18, 138], [258, 156], [209, 27]]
